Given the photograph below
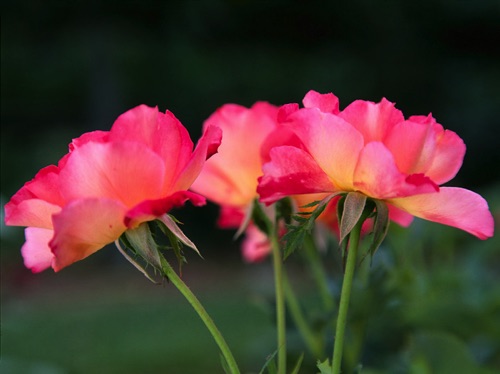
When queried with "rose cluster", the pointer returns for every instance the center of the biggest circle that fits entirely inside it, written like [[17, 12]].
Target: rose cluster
[[112, 181]]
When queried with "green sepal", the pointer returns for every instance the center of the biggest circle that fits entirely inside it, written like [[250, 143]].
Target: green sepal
[[169, 224], [353, 207], [142, 242], [324, 367], [380, 226], [133, 260]]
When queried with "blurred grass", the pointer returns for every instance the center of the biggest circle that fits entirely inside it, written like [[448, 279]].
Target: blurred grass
[[118, 322]]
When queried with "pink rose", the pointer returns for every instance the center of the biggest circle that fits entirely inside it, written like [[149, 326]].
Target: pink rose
[[370, 148], [230, 178], [109, 182]]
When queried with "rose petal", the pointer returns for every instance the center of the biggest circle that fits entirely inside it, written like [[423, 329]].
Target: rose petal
[[36, 252], [162, 133], [124, 171], [83, 227], [36, 201], [374, 120], [448, 156], [150, 209], [333, 143], [204, 149], [413, 145], [33, 212], [230, 177], [255, 246], [377, 175], [452, 206], [327, 103], [291, 171], [230, 217], [399, 216]]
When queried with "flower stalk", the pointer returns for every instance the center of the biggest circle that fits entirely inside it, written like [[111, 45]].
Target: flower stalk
[[313, 342], [280, 302], [345, 296], [198, 307]]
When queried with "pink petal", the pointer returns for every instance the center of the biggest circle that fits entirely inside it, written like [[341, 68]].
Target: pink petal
[[219, 186], [32, 212], [291, 171], [327, 103], [125, 171], [448, 155], [162, 133], [83, 227], [333, 143], [44, 186], [373, 120], [36, 252], [204, 149], [93, 136], [377, 175], [36, 201], [285, 111], [255, 246], [452, 206], [413, 145], [230, 217], [150, 209], [230, 177], [280, 136], [399, 216]]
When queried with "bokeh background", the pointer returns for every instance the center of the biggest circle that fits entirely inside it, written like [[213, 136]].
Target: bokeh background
[[70, 67]]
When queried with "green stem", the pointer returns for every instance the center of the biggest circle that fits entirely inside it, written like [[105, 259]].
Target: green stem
[[318, 272], [195, 303], [313, 342], [280, 303], [345, 296]]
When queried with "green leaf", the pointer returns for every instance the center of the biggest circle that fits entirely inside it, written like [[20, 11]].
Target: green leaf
[[310, 205], [296, 233], [441, 352], [324, 367], [298, 365], [354, 206], [270, 364], [293, 239]]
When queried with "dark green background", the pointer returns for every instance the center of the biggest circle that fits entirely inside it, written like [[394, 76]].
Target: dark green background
[[71, 67]]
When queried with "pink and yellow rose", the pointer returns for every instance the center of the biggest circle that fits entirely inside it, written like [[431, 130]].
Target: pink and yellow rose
[[230, 178], [109, 182], [372, 149]]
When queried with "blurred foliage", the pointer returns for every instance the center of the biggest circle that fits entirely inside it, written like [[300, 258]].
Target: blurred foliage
[[428, 302]]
